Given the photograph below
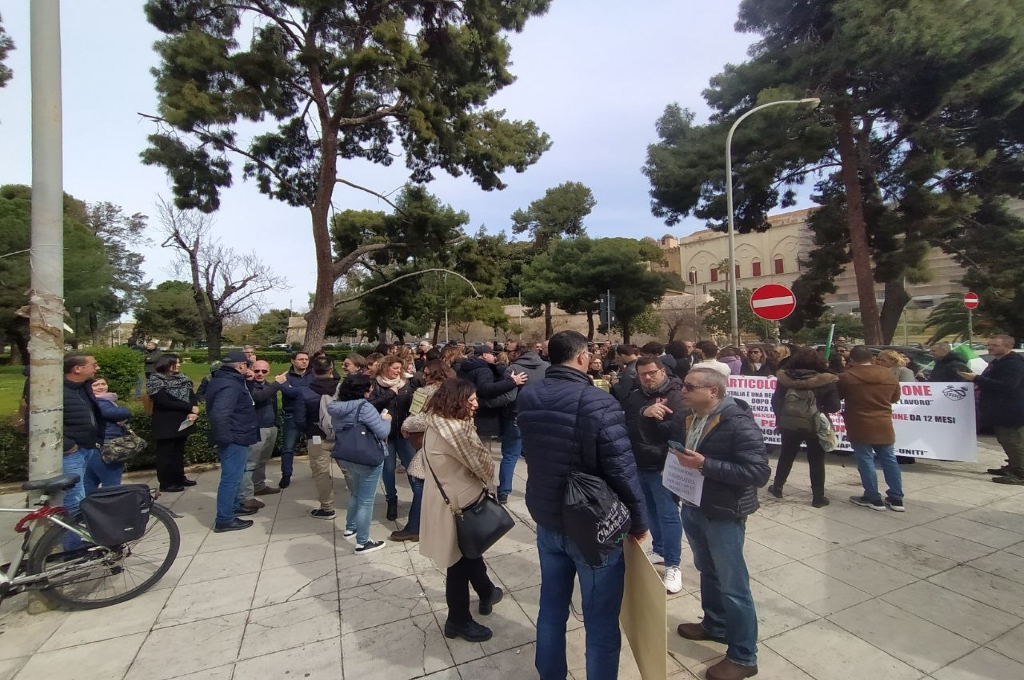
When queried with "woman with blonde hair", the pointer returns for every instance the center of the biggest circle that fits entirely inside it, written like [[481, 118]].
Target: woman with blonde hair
[[457, 460], [393, 392], [780, 356], [891, 359]]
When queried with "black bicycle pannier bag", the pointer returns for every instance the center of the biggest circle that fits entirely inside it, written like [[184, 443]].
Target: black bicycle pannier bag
[[117, 514]]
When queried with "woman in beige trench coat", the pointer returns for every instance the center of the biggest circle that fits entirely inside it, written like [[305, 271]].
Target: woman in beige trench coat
[[463, 466]]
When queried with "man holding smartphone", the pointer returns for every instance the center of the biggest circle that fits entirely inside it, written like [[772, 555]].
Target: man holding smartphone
[[723, 442]]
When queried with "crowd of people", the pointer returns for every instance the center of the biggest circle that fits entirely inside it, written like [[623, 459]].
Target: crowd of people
[[566, 405]]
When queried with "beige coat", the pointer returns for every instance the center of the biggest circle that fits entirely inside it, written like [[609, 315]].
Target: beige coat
[[437, 523]]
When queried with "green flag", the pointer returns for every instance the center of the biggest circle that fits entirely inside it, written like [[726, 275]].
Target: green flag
[[828, 343]]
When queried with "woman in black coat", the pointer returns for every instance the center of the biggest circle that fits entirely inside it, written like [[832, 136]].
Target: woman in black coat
[[804, 371], [174, 404]]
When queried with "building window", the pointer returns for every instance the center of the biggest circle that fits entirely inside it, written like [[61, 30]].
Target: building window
[[756, 267], [780, 267], [693, 276], [714, 274], [737, 272]]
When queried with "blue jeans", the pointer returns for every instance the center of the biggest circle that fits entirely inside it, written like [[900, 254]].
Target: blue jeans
[[601, 589], [363, 487], [663, 515], [98, 473], [399, 448], [729, 613], [886, 455], [511, 449], [291, 438], [232, 467], [413, 523]]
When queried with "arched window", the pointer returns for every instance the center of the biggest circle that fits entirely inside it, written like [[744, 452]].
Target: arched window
[[780, 265], [755, 267], [692, 275], [737, 271], [714, 273]]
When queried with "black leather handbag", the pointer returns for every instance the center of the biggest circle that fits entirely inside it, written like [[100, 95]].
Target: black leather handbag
[[479, 525]]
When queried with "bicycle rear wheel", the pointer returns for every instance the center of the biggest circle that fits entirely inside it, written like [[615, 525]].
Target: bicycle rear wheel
[[96, 576]]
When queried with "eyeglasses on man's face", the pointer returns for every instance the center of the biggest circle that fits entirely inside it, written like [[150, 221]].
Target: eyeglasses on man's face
[[260, 371], [690, 387], [650, 374]]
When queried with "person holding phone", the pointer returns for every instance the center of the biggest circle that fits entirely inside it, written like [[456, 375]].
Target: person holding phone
[[724, 443]]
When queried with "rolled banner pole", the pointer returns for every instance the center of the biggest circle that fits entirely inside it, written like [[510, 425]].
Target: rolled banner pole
[[828, 343]]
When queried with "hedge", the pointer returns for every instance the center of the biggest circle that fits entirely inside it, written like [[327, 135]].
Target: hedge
[[14, 447]]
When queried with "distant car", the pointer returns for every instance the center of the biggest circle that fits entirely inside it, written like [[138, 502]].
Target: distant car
[[281, 345]]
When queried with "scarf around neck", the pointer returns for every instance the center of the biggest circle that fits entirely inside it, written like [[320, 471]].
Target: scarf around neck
[[398, 382], [178, 385]]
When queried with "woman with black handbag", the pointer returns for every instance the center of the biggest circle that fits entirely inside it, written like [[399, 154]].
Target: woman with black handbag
[[459, 474], [175, 410], [99, 472]]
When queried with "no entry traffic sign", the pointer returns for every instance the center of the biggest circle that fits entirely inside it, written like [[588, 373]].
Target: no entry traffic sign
[[773, 302], [971, 300]]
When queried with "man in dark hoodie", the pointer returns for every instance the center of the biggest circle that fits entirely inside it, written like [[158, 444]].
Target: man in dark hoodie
[[869, 392], [524, 360], [297, 377], [324, 383], [724, 443], [83, 425], [234, 427], [626, 380], [650, 414], [948, 364]]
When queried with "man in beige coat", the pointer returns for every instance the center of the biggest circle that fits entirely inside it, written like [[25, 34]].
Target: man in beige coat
[[869, 392]]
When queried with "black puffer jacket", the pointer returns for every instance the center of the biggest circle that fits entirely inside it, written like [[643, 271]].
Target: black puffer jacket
[[558, 416], [736, 462], [945, 369], [649, 436], [318, 387], [825, 386], [264, 395], [231, 410], [397, 403], [491, 381], [1002, 392], [83, 420]]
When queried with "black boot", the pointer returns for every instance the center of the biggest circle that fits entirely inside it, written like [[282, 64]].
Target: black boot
[[392, 509], [470, 631]]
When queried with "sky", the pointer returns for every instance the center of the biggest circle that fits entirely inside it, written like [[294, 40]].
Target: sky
[[592, 74]]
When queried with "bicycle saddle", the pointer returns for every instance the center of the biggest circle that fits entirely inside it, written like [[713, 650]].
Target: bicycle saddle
[[58, 483]]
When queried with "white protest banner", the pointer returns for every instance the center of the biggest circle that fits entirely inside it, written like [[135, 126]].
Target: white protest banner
[[684, 482], [932, 420]]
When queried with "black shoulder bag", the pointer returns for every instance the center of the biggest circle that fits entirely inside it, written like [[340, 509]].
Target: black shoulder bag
[[480, 524], [593, 517]]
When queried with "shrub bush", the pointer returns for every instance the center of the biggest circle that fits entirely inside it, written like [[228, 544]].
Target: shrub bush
[[122, 367], [14, 447]]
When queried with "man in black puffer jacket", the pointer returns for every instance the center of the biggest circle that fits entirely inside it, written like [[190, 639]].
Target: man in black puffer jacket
[[234, 427], [724, 443], [558, 417], [83, 426], [479, 368], [650, 412], [319, 448]]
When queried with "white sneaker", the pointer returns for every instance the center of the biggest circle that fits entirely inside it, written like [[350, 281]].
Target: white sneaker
[[673, 580], [654, 557]]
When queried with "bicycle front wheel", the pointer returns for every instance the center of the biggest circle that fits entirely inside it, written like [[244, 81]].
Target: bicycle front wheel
[[92, 576]]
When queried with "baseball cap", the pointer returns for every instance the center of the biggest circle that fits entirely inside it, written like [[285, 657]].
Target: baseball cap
[[482, 349], [235, 357]]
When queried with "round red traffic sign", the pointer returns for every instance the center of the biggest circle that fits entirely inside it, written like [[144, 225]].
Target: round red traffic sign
[[971, 300], [773, 302]]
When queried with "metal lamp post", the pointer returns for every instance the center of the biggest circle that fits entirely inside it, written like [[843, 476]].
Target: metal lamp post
[[693, 275], [734, 319]]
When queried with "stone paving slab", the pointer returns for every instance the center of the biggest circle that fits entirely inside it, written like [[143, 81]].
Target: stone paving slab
[[936, 593]]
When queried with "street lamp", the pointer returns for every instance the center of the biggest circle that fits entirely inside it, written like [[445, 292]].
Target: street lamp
[[693, 280], [734, 319]]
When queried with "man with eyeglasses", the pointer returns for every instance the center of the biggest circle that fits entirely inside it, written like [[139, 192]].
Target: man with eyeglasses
[[264, 396], [83, 426], [724, 444], [250, 353], [650, 414]]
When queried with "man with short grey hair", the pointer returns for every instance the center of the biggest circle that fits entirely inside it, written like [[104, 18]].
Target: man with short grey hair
[[1002, 405], [724, 444], [264, 396]]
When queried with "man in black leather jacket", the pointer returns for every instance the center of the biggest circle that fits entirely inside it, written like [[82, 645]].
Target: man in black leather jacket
[[724, 443]]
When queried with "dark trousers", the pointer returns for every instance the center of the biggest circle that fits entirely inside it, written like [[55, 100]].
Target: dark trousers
[[170, 461], [791, 441], [456, 590]]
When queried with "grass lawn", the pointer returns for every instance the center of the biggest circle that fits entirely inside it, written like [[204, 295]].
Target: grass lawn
[[12, 381]]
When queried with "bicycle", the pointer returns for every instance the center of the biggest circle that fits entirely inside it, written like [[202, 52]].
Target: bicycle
[[87, 576]]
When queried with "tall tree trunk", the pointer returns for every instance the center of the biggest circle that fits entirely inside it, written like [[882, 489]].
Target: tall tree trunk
[[437, 332], [896, 299], [214, 327], [626, 335], [323, 299], [590, 325], [549, 326], [860, 252]]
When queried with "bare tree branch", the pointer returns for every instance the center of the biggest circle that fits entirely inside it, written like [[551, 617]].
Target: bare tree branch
[[476, 293]]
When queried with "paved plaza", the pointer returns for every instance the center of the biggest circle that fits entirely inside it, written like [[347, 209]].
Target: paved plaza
[[842, 592]]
